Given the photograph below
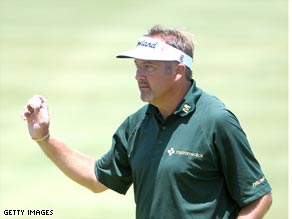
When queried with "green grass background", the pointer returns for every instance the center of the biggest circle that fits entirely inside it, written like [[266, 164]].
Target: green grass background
[[65, 50]]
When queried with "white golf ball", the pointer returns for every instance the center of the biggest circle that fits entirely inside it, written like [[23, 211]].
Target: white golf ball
[[35, 102]]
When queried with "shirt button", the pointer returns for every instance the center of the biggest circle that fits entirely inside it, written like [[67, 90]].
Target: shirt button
[[160, 142], [163, 127]]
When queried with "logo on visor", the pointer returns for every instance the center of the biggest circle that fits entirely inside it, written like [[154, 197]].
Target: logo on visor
[[181, 58], [147, 44]]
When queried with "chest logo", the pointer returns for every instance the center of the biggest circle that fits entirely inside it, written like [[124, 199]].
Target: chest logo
[[172, 151]]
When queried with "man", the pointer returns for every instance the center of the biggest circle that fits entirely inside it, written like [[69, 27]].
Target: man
[[184, 152]]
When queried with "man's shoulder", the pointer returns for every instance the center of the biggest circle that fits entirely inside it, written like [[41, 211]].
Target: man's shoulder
[[133, 121], [213, 111], [210, 104], [138, 116], [140, 113]]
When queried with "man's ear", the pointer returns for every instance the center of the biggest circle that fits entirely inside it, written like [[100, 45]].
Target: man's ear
[[180, 69]]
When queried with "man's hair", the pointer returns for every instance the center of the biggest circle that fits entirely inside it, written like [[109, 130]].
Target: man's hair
[[178, 39]]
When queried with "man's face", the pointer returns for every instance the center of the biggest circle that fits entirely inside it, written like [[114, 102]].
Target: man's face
[[155, 80]]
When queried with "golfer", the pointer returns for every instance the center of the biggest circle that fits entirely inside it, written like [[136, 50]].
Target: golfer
[[184, 152]]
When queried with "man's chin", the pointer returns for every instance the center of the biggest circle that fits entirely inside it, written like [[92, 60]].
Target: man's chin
[[146, 98]]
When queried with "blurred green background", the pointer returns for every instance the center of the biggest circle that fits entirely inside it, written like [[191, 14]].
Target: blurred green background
[[65, 50]]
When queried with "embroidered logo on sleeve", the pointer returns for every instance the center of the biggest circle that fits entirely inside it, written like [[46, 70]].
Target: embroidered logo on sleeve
[[258, 182]]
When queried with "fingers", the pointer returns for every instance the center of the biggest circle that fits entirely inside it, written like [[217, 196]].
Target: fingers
[[35, 102], [27, 112], [36, 114], [33, 107]]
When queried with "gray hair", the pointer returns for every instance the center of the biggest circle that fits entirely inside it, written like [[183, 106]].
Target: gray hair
[[178, 39]]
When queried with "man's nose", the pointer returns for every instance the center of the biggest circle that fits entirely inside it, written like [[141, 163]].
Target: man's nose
[[139, 74]]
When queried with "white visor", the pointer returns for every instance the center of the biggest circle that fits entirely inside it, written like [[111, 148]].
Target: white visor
[[154, 49]]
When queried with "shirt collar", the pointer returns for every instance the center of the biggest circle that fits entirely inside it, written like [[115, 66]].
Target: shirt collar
[[187, 105]]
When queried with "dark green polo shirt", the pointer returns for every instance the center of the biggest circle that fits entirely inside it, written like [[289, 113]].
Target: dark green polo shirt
[[195, 164]]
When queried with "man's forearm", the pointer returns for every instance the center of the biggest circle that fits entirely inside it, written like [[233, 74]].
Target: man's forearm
[[256, 209], [75, 165]]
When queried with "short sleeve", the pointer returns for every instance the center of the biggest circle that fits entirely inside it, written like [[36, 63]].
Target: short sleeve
[[113, 169], [243, 175]]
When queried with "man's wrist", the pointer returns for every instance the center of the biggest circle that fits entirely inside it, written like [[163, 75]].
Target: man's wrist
[[45, 137]]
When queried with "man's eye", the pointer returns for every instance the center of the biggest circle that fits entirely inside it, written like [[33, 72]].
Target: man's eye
[[148, 67]]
